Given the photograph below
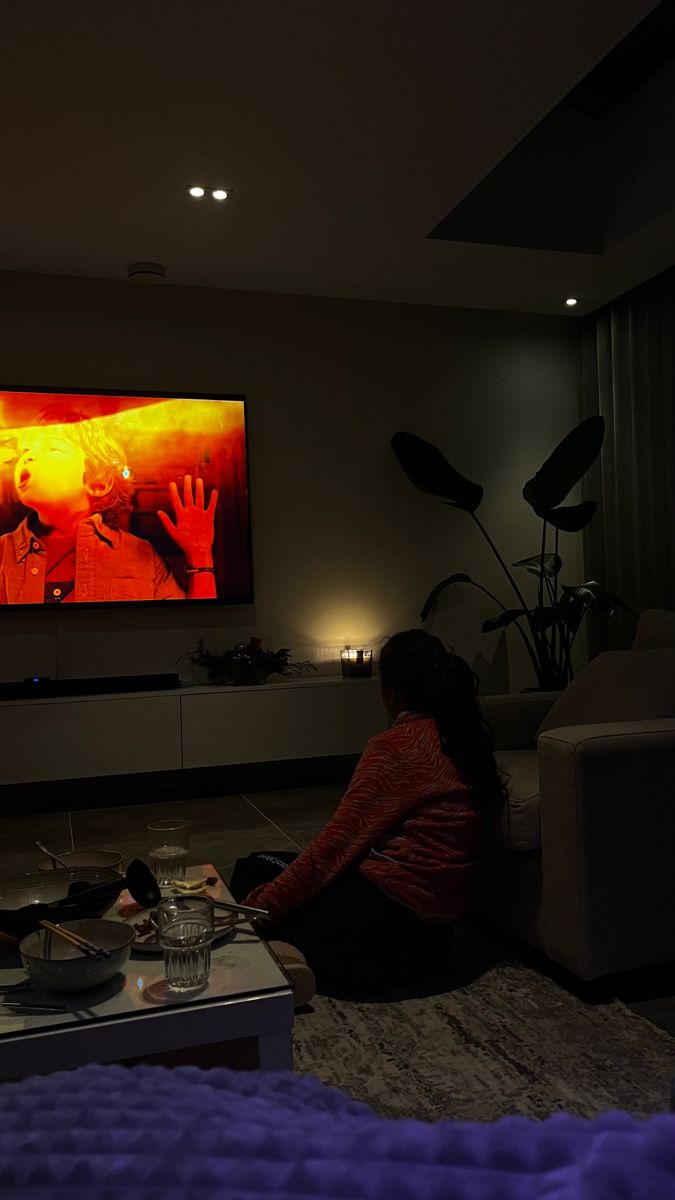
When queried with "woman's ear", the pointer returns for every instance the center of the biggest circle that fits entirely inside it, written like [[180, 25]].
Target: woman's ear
[[98, 487], [392, 700]]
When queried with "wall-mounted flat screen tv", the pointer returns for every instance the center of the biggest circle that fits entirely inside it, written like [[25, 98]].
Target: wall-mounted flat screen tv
[[114, 498]]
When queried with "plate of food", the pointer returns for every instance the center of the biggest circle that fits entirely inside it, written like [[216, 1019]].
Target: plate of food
[[199, 881], [145, 927]]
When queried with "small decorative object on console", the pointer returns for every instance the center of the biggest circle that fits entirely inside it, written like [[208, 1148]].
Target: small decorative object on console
[[246, 663], [356, 664]]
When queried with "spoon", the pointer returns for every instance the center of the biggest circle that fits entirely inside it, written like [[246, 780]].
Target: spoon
[[139, 879], [50, 854], [142, 885]]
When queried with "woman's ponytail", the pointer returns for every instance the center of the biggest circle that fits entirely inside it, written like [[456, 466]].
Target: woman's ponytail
[[437, 682]]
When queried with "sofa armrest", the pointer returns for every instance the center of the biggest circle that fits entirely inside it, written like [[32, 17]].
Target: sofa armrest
[[608, 845], [515, 719]]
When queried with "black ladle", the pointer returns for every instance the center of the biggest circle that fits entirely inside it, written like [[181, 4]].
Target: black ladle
[[139, 880]]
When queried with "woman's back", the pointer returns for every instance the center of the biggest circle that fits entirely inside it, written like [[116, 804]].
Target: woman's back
[[427, 854]]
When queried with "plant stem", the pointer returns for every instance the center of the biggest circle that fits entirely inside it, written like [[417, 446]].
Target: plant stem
[[533, 657], [533, 631], [541, 564], [503, 565]]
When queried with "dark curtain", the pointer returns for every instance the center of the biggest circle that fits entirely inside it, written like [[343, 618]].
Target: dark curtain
[[628, 377]]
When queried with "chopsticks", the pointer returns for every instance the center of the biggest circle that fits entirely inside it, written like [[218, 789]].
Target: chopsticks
[[28, 1008], [87, 947], [241, 908]]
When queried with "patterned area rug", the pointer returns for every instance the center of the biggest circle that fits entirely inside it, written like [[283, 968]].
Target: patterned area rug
[[500, 1038]]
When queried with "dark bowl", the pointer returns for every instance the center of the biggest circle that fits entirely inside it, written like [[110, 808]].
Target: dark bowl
[[24, 901]]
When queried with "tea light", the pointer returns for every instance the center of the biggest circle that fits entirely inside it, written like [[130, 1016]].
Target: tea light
[[356, 663]]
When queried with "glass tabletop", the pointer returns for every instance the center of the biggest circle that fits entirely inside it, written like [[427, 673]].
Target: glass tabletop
[[241, 966]]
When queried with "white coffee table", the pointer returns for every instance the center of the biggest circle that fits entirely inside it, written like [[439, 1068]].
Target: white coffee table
[[247, 996]]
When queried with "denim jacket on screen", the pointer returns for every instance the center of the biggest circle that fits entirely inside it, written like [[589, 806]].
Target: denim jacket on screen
[[109, 565]]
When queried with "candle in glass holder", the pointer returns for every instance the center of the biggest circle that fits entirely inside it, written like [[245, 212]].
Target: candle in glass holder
[[356, 664]]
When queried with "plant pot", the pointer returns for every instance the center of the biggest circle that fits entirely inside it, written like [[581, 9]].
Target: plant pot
[[247, 676], [219, 678]]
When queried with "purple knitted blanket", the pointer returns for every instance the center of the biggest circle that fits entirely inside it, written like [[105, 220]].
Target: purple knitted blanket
[[110, 1133]]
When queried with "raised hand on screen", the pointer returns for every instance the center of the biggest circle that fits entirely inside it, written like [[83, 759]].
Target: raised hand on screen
[[192, 527]]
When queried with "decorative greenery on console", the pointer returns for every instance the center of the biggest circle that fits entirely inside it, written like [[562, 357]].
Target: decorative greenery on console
[[246, 663], [547, 629]]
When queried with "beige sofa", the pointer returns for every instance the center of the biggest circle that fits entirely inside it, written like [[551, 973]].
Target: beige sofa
[[581, 860]]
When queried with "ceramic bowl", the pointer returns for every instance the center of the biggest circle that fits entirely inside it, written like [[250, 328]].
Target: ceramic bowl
[[67, 969], [85, 858]]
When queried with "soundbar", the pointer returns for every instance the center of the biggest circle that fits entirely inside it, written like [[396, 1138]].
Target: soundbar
[[41, 686]]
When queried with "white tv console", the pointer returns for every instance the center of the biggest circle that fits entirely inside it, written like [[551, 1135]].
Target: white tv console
[[77, 737]]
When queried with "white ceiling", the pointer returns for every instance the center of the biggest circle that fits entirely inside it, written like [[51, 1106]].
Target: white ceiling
[[346, 130]]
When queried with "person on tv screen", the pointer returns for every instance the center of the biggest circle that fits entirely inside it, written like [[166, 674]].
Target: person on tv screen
[[71, 546]]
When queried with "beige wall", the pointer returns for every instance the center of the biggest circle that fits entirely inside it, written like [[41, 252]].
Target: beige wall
[[345, 549]]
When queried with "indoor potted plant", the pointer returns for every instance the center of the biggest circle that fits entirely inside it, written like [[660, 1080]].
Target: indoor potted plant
[[246, 663], [549, 626]]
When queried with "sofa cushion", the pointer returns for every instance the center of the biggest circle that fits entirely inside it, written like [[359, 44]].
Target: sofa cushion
[[516, 823], [655, 629], [619, 685]]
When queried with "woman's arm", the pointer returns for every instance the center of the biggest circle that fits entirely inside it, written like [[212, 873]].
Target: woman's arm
[[376, 799]]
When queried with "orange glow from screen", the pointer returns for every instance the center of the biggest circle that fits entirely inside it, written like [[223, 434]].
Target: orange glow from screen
[[147, 443]]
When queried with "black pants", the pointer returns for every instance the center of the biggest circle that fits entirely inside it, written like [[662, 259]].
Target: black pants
[[353, 936]]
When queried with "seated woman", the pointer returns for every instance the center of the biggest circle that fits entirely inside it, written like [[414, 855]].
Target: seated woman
[[373, 899]]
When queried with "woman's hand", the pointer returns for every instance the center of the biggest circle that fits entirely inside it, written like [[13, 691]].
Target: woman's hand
[[256, 899], [192, 529]]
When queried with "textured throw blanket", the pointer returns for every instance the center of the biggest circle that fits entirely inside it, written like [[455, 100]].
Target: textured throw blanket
[[110, 1133]]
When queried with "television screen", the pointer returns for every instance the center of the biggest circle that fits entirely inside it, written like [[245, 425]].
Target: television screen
[[119, 498]]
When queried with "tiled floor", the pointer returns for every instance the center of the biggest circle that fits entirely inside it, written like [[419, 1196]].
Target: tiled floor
[[222, 828], [225, 828]]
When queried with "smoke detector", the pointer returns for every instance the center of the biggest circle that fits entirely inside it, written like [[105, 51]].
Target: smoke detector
[[146, 272]]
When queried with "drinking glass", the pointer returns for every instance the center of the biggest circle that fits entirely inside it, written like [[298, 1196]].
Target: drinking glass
[[185, 935], [168, 843]]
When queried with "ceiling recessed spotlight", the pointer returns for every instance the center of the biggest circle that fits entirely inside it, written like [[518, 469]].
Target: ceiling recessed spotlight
[[146, 272], [571, 301], [197, 192], [219, 194]]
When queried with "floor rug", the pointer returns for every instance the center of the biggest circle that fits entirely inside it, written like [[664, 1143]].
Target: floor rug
[[499, 1038]]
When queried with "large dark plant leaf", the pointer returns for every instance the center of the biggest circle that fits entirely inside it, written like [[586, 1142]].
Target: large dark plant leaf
[[552, 564], [592, 595], [503, 619], [573, 517], [564, 468], [431, 472], [435, 592]]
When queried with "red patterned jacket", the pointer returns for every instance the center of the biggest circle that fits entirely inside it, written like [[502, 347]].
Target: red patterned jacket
[[406, 820]]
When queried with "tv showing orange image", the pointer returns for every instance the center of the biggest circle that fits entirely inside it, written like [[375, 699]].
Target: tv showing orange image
[[114, 498]]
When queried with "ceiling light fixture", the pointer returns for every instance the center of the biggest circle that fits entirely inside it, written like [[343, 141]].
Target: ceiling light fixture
[[196, 191], [146, 272], [571, 301], [219, 194]]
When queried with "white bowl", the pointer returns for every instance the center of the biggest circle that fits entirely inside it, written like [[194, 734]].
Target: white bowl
[[67, 969]]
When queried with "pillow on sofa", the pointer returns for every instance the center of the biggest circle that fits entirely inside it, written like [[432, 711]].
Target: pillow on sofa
[[619, 685], [515, 823], [655, 628]]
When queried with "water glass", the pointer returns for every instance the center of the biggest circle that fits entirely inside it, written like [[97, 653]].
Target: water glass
[[186, 929], [168, 843]]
